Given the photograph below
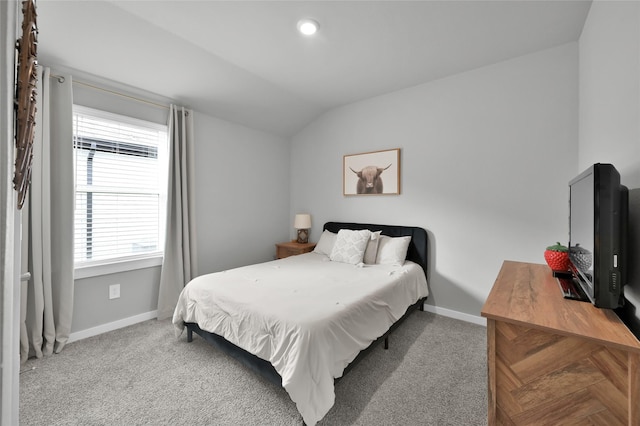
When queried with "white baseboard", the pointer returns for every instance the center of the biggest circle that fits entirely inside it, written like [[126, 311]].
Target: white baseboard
[[455, 314], [94, 331]]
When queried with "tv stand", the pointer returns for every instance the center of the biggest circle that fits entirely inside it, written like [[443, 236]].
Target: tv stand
[[552, 361]]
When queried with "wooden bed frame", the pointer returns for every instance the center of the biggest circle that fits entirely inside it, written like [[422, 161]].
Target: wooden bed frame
[[417, 253]]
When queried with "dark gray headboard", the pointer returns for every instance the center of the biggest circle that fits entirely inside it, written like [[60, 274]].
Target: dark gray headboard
[[419, 241]]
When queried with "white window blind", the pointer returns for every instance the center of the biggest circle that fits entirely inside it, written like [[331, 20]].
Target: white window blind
[[121, 170]]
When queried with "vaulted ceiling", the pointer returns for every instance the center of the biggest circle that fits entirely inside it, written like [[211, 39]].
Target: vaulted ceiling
[[245, 62]]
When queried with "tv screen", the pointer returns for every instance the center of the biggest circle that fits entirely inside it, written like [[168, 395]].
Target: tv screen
[[582, 231], [598, 207]]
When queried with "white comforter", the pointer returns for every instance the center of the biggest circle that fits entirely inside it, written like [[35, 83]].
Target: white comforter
[[306, 315]]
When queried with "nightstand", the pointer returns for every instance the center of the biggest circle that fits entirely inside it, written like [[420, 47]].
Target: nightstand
[[293, 248]]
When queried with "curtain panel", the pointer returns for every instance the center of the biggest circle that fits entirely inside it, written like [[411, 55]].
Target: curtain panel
[[47, 298], [178, 266]]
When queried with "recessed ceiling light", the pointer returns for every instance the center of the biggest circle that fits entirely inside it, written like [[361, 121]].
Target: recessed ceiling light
[[308, 26]]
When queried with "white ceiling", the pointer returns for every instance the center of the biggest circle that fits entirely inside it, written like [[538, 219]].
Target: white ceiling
[[245, 62]]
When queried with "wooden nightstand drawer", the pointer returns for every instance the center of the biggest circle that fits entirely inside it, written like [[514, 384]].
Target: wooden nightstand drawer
[[292, 248]]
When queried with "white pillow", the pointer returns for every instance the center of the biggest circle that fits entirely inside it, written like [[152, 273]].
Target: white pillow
[[392, 251], [326, 242], [372, 248], [350, 246]]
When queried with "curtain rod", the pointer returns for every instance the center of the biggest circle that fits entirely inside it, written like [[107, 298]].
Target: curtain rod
[[60, 79]]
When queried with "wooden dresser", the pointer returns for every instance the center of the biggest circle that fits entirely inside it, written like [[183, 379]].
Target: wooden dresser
[[555, 361]]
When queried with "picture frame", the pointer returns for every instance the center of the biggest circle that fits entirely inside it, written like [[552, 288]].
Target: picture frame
[[371, 173]]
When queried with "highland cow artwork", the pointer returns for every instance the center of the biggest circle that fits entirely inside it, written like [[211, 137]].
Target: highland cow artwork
[[372, 173]]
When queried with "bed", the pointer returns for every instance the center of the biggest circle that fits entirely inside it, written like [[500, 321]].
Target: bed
[[304, 321]]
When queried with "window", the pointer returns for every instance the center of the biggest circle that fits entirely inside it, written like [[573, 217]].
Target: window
[[120, 197]]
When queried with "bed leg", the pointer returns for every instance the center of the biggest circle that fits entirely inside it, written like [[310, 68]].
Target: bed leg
[[189, 335], [386, 342]]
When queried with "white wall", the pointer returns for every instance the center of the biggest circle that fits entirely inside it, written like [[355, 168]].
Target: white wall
[[610, 87], [610, 110], [242, 194], [93, 311], [486, 157]]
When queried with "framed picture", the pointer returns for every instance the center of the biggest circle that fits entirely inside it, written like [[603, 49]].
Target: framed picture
[[372, 173]]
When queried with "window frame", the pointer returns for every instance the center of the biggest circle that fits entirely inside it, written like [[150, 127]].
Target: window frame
[[91, 268]]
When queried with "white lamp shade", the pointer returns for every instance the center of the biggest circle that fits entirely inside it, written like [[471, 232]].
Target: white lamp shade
[[302, 221]]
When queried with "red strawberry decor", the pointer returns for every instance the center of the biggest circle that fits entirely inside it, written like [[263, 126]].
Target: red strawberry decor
[[557, 257]]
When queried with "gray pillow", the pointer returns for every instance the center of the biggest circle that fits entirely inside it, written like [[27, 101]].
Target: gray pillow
[[371, 251], [326, 242]]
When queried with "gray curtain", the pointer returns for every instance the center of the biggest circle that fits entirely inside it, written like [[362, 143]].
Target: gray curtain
[[47, 235], [178, 267]]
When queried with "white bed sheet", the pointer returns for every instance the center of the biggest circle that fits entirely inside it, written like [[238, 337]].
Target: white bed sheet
[[309, 317]]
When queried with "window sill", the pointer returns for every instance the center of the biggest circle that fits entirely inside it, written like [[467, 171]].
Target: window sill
[[95, 270]]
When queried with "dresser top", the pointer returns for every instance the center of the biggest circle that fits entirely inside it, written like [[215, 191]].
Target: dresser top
[[527, 294]]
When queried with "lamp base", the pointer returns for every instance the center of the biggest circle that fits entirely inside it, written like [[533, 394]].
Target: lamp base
[[303, 236]]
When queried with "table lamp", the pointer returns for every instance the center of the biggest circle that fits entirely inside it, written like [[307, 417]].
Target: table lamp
[[302, 223]]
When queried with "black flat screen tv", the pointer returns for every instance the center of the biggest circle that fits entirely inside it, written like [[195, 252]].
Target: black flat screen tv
[[598, 210]]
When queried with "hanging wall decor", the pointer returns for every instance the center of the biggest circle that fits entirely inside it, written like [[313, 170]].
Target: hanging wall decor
[[25, 101], [372, 173]]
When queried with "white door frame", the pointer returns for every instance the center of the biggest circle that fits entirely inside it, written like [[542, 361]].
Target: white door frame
[[9, 223]]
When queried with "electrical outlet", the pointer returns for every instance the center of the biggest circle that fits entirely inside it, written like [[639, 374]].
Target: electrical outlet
[[114, 291]]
